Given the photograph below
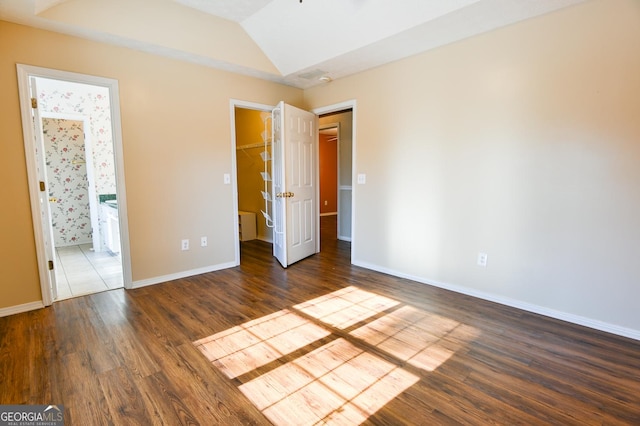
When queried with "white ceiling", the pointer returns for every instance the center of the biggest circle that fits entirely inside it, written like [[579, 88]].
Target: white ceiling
[[302, 40]]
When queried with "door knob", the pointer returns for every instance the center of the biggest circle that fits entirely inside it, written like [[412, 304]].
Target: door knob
[[285, 194]]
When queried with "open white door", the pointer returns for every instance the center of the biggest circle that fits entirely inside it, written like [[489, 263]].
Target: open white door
[[45, 209], [295, 139]]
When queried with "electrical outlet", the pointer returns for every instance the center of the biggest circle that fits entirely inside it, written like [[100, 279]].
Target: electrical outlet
[[203, 241], [185, 244], [482, 259], [226, 178]]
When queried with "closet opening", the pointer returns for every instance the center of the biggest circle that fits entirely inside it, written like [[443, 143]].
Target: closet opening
[[251, 138]]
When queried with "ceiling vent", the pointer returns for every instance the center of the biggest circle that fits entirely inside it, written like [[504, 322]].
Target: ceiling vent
[[312, 75]]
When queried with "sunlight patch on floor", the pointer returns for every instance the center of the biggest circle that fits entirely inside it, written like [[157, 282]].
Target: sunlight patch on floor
[[422, 339], [244, 348], [337, 383], [346, 307], [344, 381]]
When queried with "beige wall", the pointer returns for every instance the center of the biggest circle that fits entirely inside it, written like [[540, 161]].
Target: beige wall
[[177, 146], [523, 143]]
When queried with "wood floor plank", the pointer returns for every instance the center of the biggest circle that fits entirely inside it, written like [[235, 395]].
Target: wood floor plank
[[421, 356], [162, 404], [122, 397], [80, 391]]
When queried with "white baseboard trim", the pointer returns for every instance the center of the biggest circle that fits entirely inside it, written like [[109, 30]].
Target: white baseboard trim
[[18, 309], [529, 307], [183, 274]]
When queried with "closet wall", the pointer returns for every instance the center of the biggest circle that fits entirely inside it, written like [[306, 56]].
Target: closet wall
[[250, 128]]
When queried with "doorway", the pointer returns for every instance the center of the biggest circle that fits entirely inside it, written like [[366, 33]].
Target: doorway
[[336, 127], [253, 173], [250, 151], [74, 159], [84, 261]]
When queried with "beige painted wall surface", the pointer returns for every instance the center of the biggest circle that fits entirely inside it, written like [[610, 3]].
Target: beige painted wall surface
[[177, 146], [523, 143]]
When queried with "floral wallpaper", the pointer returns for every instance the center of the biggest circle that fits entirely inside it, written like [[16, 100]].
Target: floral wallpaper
[[61, 98], [67, 178], [93, 101]]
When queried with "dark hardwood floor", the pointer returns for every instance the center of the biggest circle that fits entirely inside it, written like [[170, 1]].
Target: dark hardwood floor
[[322, 341]]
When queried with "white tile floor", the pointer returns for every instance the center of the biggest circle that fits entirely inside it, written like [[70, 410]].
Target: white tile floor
[[80, 270]]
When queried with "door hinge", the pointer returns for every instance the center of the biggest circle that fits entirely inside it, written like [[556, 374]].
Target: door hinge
[[42, 186], [34, 103], [51, 265]]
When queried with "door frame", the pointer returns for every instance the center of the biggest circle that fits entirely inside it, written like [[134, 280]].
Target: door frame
[[25, 72], [339, 107]]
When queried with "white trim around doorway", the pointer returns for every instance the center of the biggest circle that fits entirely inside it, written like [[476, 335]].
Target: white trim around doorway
[[25, 72]]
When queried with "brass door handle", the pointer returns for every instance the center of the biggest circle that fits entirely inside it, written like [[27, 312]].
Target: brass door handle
[[53, 199], [285, 194]]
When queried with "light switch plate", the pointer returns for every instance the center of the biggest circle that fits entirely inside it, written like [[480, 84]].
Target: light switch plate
[[362, 178], [227, 178], [482, 259]]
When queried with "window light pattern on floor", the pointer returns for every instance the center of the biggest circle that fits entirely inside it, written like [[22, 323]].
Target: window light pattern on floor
[[346, 307], [422, 339], [336, 383], [244, 348], [340, 382]]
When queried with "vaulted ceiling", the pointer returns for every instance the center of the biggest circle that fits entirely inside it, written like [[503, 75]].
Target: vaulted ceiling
[[289, 41]]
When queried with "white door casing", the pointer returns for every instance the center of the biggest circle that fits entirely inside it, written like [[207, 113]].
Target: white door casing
[[31, 132], [295, 141]]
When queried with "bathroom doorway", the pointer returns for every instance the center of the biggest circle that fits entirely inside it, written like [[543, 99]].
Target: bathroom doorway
[[74, 156], [81, 186]]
